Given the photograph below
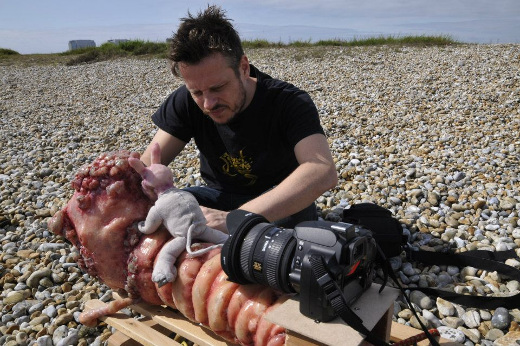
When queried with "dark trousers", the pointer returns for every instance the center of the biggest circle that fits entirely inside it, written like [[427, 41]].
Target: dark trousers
[[216, 199]]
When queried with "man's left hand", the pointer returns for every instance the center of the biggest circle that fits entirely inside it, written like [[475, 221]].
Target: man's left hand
[[215, 218]]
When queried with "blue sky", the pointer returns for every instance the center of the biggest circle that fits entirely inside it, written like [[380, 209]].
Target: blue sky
[[30, 26]]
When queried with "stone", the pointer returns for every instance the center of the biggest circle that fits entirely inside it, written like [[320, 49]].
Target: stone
[[509, 339], [13, 298], [472, 334], [451, 334], [445, 307], [494, 334], [471, 318], [421, 299], [500, 319]]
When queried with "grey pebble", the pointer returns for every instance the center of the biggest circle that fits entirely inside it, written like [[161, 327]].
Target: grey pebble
[[421, 299], [70, 339], [50, 311], [44, 340], [59, 334], [500, 318], [34, 278]]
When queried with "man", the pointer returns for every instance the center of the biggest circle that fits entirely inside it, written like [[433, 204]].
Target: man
[[262, 148]]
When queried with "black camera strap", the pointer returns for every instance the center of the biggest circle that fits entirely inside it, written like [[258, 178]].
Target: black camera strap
[[337, 300], [481, 259]]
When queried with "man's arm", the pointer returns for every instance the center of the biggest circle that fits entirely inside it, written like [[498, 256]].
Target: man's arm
[[315, 174], [170, 147]]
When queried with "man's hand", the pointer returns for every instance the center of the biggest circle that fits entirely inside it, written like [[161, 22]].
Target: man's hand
[[215, 218]]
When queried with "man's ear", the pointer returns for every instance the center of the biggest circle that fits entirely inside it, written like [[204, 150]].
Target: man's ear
[[244, 66]]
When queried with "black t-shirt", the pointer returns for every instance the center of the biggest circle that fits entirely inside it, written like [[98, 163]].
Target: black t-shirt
[[255, 150]]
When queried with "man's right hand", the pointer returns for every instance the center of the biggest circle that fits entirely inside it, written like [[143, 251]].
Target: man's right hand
[[215, 218]]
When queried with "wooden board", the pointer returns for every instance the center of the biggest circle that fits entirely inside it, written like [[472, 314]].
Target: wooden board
[[145, 335], [160, 322], [371, 307]]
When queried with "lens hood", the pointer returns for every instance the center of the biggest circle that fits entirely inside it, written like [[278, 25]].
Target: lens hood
[[238, 223], [241, 219]]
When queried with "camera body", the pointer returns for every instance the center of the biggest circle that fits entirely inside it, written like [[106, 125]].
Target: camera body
[[348, 253], [286, 259]]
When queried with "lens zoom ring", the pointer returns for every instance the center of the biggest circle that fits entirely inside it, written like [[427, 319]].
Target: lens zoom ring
[[274, 257], [247, 249]]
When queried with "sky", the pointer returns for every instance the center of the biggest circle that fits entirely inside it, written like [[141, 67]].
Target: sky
[[40, 27]]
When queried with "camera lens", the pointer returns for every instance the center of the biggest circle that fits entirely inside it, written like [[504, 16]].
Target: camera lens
[[258, 251], [266, 255]]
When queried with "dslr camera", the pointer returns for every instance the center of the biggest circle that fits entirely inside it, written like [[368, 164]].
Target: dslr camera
[[319, 260]]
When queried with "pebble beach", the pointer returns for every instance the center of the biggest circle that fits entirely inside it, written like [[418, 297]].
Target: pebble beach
[[431, 133]]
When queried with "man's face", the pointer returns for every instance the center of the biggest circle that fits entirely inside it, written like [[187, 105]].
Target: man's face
[[215, 87]]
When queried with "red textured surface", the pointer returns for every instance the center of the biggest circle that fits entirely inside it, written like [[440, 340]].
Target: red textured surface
[[101, 221]]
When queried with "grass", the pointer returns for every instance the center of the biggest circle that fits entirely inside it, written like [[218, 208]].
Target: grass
[[109, 51], [140, 48], [8, 52]]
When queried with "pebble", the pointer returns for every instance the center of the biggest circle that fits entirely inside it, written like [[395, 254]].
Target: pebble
[[429, 133], [500, 318], [445, 307], [451, 334], [421, 299], [471, 319]]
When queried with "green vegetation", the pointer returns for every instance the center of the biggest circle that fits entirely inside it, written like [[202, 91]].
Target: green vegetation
[[109, 51], [139, 48], [423, 40], [7, 52]]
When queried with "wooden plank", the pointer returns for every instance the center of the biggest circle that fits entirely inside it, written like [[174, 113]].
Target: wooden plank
[[401, 332], [132, 328], [293, 339], [120, 339], [177, 323], [371, 307], [161, 321], [382, 328]]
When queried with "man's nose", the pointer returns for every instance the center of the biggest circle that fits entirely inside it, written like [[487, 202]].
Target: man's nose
[[210, 101]]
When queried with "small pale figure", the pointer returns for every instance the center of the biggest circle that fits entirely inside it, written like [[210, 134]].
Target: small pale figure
[[180, 213]]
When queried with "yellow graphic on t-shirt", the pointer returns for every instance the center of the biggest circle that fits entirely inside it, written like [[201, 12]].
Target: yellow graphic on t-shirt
[[238, 165]]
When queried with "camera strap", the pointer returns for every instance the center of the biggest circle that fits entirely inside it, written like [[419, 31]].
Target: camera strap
[[337, 300], [481, 259], [340, 306]]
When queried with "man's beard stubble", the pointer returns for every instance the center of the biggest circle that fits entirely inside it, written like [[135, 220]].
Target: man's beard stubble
[[238, 107]]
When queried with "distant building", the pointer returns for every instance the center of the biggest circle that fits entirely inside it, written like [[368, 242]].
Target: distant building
[[77, 44], [118, 41]]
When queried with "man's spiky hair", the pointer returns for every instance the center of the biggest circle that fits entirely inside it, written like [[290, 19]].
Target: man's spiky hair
[[201, 36]]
